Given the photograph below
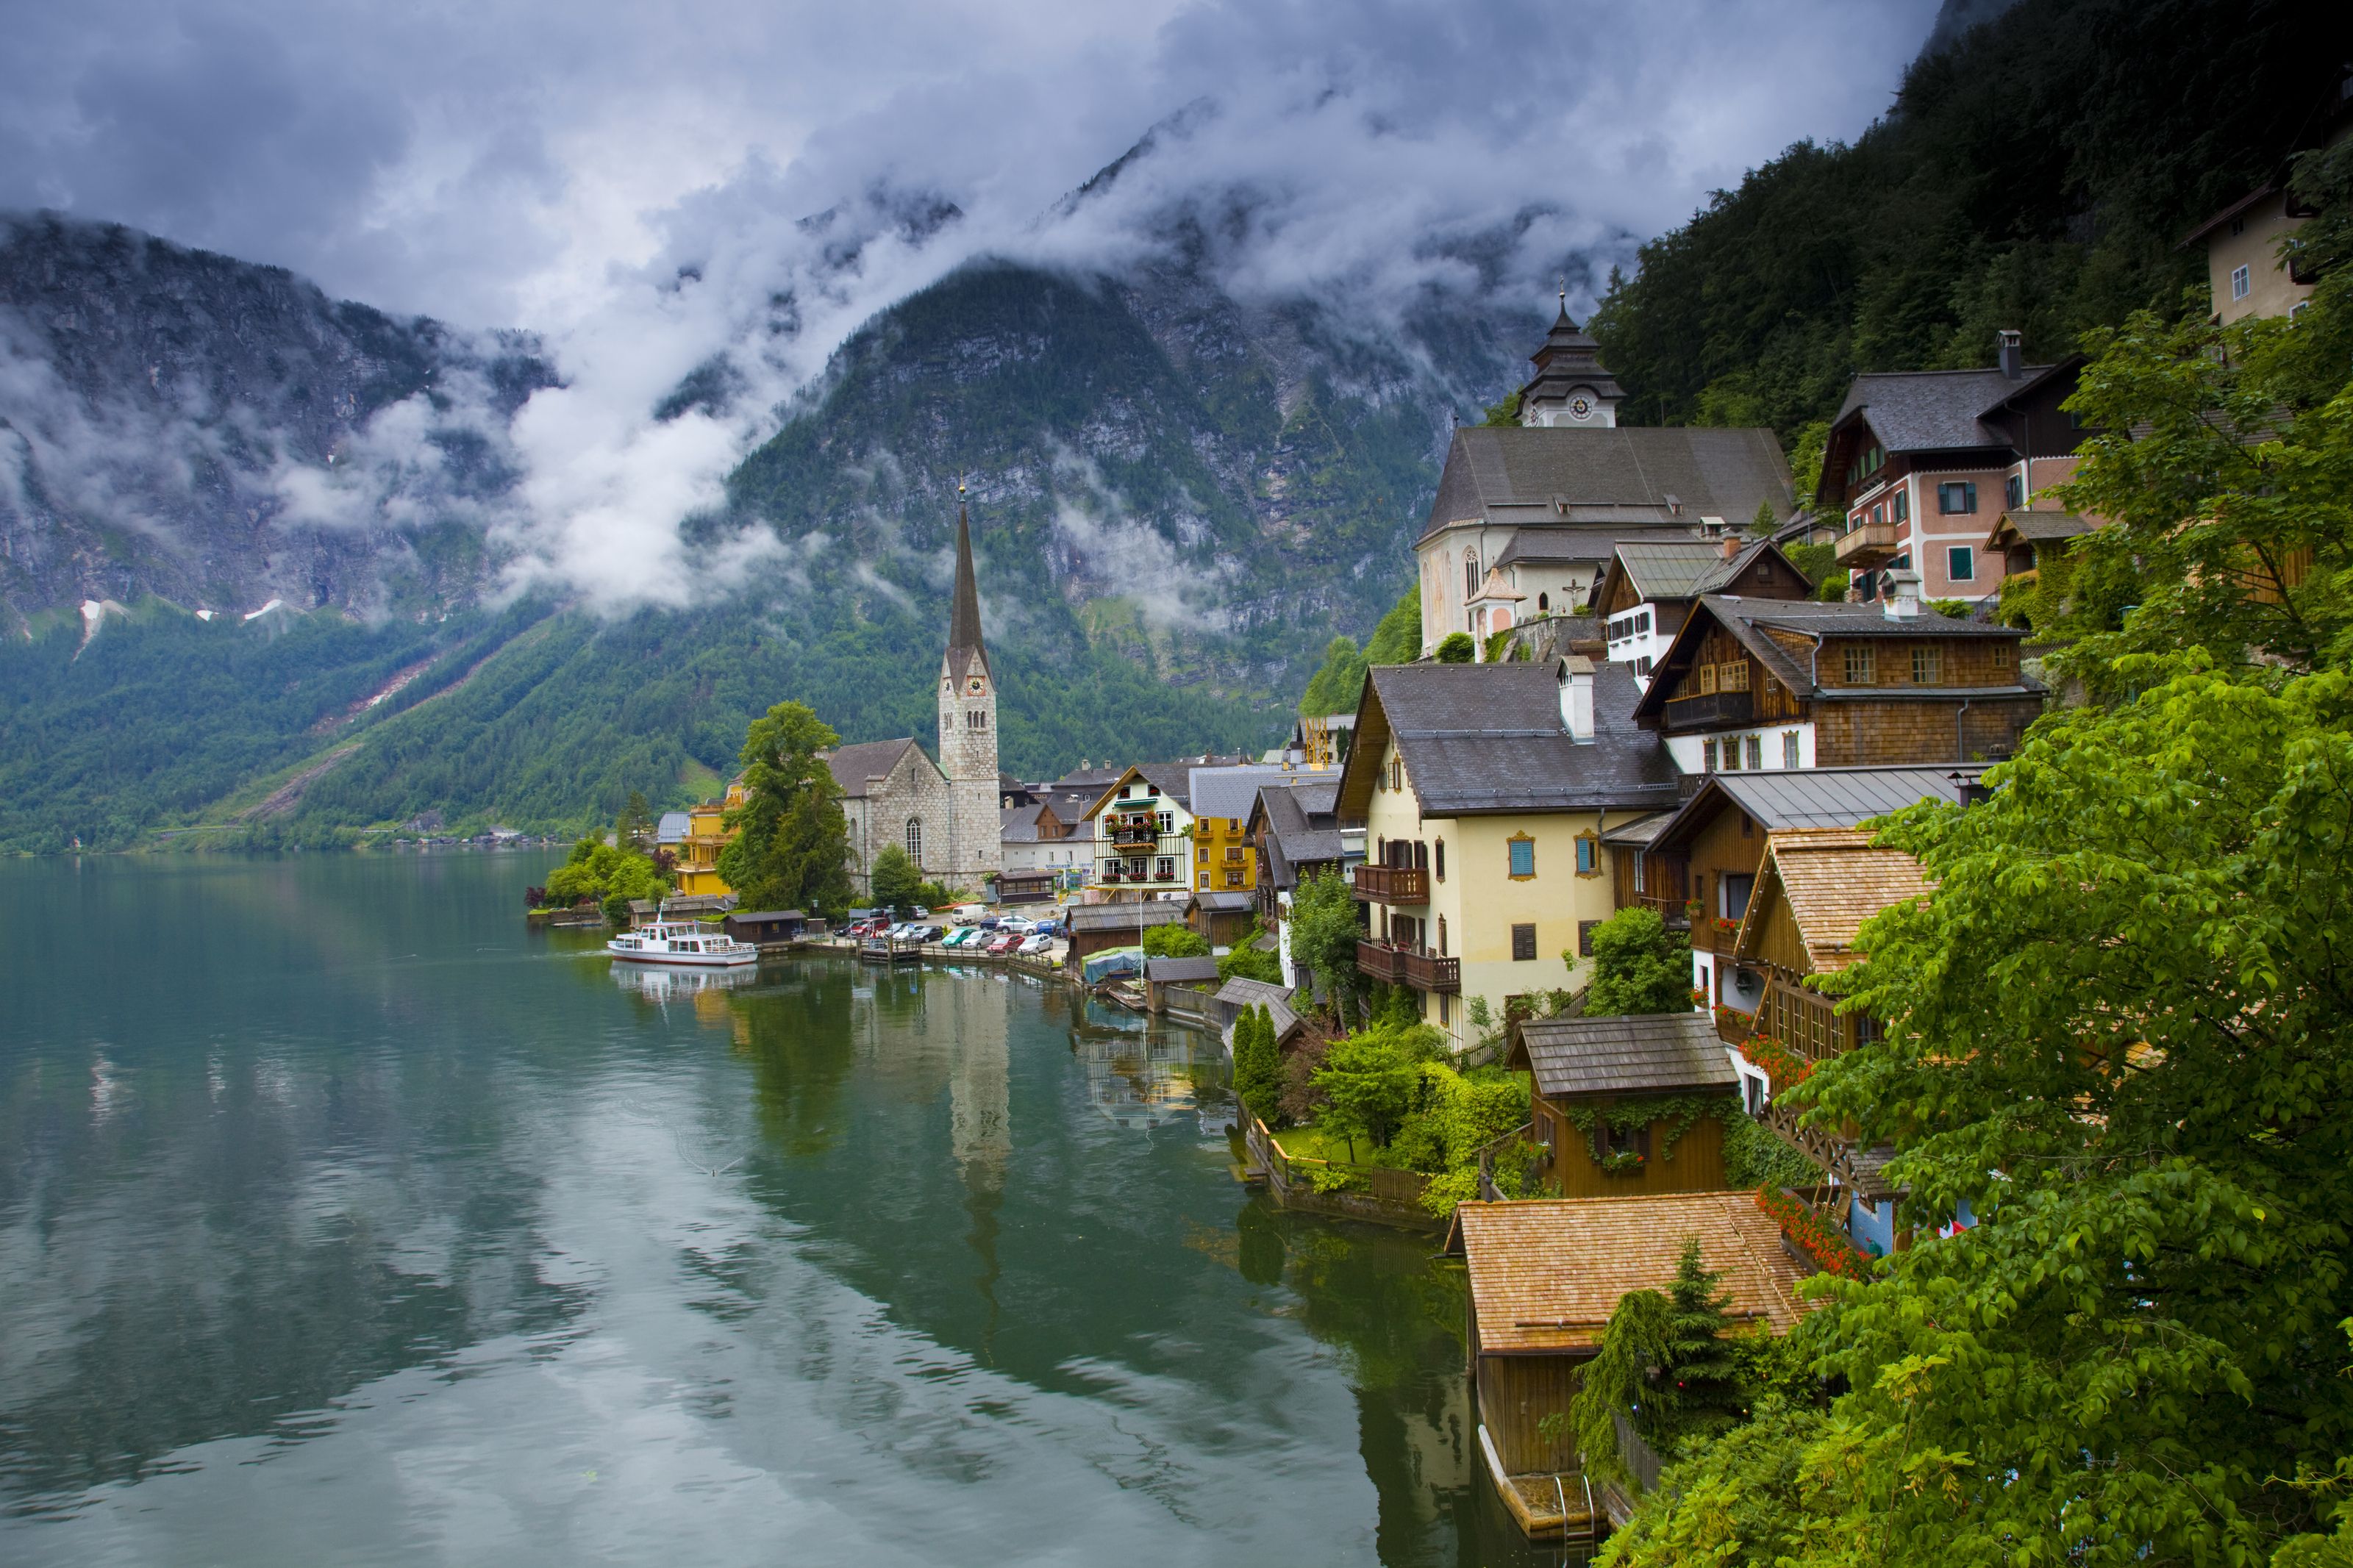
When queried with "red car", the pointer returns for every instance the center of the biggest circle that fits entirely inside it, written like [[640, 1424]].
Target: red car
[[1005, 944]]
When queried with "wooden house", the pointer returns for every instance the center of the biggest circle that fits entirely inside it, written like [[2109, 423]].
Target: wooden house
[[1775, 687], [1649, 586], [1590, 1074], [1698, 867], [1545, 1277], [1814, 891]]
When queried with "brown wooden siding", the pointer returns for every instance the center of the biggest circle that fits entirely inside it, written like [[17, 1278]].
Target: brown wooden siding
[[1697, 1167], [1897, 733], [1515, 1392]]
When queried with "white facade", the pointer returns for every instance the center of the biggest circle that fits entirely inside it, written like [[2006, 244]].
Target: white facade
[[1770, 748], [1636, 639]]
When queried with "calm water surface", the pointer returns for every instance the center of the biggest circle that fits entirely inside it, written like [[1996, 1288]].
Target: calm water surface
[[344, 1221]]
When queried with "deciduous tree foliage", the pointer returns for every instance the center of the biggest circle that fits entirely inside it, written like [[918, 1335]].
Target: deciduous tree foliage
[[1638, 966], [792, 846], [1175, 941], [1323, 933], [894, 880]]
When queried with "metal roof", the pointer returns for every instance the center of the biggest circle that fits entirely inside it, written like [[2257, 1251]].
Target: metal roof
[[1177, 971], [1816, 797]]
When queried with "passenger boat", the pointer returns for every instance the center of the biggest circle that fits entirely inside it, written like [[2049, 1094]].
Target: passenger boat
[[688, 943]]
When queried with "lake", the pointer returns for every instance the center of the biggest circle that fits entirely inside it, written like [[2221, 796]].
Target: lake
[[343, 1220]]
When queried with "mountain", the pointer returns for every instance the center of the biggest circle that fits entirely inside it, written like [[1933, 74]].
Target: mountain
[[1178, 499]]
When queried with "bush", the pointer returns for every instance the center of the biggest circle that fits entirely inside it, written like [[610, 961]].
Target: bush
[[1245, 960], [1638, 966], [1175, 941], [1457, 648]]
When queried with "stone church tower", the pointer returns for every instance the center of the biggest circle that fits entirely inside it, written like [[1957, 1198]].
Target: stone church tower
[[968, 728]]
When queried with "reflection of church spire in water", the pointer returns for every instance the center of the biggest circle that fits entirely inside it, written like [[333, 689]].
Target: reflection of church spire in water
[[980, 1126]]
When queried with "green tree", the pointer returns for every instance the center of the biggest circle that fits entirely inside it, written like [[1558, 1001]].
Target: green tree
[[791, 847], [1506, 415], [1371, 1084], [1324, 935], [608, 875], [1668, 1365], [1456, 648], [895, 879], [1258, 1067], [636, 827], [1247, 960], [2115, 1031], [1173, 941], [1638, 966], [1337, 686]]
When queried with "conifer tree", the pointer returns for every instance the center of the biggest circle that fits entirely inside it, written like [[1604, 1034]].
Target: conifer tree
[[1258, 1077], [1698, 1389]]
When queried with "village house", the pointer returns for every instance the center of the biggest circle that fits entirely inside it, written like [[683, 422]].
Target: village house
[[1918, 461], [1525, 517], [1143, 832], [1698, 867], [1038, 850], [1648, 589], [1750, 685], [1095, 928], [1484, 790], [1545, 1277], [1815, 889], [702, 834], [2241, 241], [1225, 858], [1617, 1107]]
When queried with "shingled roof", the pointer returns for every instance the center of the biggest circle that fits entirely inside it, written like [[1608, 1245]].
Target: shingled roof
[[1484, 739], [1665, 478], [1546, 1273], [1833, 881], [1649, 1053]]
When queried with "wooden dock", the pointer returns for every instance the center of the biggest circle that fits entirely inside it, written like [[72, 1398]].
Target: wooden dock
[[1564, 1506]]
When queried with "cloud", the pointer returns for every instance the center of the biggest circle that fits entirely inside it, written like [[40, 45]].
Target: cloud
[[725, 190]]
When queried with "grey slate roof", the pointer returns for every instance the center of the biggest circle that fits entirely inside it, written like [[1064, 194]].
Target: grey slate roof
[[1225, 900], [853, 765], [1933, 410], [1180, 970], [1609, 476], [1276, 999], [2033, 525], [1229, 791], [1651, 1053], [1488, 738], [1638, 832], [1017, 824], [1131, 916]]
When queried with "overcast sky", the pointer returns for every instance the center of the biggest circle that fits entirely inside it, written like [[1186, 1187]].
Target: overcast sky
[[554, 166]]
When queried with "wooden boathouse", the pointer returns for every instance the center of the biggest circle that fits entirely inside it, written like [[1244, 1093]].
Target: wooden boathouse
[[1545, 1275]]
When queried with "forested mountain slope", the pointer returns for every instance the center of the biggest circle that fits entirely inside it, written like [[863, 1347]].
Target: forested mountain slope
[[2034, 172]]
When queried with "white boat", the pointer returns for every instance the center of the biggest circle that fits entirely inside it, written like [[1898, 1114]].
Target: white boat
[[688, 943]]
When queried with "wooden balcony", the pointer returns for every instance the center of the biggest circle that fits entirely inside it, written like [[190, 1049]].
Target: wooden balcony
[[1670, 907], [1401, 966], [1392, 885], [1426, 972], [1872, 545], [1709, 710]]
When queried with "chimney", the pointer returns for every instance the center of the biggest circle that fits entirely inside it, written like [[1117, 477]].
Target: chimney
[[1731, 546], [2013, 346], [1577, 698], [1903, 601]]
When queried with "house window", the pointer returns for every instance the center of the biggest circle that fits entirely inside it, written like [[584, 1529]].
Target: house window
[[1961, 564], [2240, 285], [915, 839], [1858, 665], [1789, 748], [1523, 857], [1204, 881], [2000, 654], [1642, 623], [1544, 606], [1902, 506], [1879, 513], [1734, 677], [1167, 868], [1168, 821], [1441, 936], [1588, 856], [1640, 860], [1707, 757], [1585, 938], [1438, 859], [1234, 856], [1524, 943], [1735, 888], [2013, 491], [1470, 576], [1202, 855], [1732, 753], [1957, 496], [1707, 680], [1642, 666], [1613, 1140], [1927, 664], [1756, 748], [1233, 879]]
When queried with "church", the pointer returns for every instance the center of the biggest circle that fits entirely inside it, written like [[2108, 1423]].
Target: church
[[1527, 516], [943, 813]]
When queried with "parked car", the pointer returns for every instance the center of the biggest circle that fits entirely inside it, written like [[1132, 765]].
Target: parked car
[[1005, 941], [1032, 946], [936, 933], [1016, 922], [963, 936]]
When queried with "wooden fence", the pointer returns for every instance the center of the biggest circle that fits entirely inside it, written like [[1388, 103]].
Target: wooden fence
[[1373, 1192]]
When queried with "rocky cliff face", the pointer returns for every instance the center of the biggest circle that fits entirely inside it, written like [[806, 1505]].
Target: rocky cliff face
[[171, 422]]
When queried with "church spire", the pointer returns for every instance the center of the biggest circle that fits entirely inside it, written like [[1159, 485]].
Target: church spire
[[964, 623]]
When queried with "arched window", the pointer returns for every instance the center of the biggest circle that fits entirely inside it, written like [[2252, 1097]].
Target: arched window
[[915, 839], [1470, 574], [1543, 604], [1437, 863]]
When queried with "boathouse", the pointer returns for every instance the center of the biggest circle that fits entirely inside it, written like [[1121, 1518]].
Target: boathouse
[[1622, 1104]]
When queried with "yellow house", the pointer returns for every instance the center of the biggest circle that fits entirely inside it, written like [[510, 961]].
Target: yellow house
[[706, 835], [1225, 855], [1484, 790]]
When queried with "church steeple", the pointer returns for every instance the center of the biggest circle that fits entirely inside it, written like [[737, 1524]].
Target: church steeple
[[964, 621], [1570, 388]]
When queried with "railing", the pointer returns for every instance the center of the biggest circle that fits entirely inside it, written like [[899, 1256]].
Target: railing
[[1392, 885], [1868, 545], [1640, 1459], [1425, 973], [1485, 1154], [1670, 907], [1711, 708], [1378, 961], [1379, 1181]]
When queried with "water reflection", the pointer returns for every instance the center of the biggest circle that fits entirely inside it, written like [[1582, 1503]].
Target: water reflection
[[1139, 1075]]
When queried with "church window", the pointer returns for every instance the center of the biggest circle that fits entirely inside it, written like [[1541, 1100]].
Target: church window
[[915, 839], [1470, 576]]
